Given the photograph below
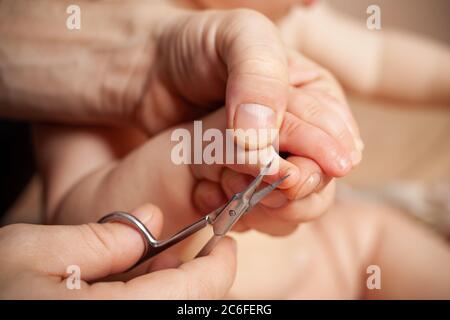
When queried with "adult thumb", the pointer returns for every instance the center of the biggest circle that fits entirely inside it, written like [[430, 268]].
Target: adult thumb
[[100, 250], [257, 85]]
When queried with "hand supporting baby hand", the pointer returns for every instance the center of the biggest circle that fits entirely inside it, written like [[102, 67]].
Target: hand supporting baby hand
[[201, 58], [314, 133], [318, 133], [236, 58]]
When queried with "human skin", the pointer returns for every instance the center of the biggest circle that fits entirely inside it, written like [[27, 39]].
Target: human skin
[[328, 258], [275, 10], [235, 68], [385, 63], [35, 259], [130, 64], [150, 69], [313, 132], [324, 258], [88, 172], [175, 82], [142, 64]]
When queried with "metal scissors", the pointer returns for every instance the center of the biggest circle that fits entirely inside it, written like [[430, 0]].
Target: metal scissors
[[221, 219]]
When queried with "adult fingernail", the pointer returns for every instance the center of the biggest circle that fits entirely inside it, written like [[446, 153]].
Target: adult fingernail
[[257, 117], [309, 185]]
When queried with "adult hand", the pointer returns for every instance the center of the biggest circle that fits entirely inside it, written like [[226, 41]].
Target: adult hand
[[212, 58], [140, 62], [34, 261], [236, 58]]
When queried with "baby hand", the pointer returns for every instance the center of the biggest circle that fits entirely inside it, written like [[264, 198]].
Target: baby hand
[[322, 142]]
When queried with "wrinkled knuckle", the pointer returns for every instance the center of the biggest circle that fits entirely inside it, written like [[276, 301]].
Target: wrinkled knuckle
[[290, 126], [249, 16], [312, 110], [250, 24], [257, 40], [270, 67]]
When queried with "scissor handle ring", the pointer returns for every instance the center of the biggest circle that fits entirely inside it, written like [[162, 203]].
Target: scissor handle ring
[[130, 220]]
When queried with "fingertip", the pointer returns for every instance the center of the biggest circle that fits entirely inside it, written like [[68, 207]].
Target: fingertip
[[222, 259], [292, 172], [311, 178], [356, 158], [342, 166], [334, 160], [226, 252], [359, 144]]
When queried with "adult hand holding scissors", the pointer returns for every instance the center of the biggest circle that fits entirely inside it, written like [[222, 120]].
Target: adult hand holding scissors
[[34, 260]]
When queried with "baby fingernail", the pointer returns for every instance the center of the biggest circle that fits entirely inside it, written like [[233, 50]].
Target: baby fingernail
[[344, 163], [255, 116], [310, 185], [356, 157], [293, 176], [359, 144]]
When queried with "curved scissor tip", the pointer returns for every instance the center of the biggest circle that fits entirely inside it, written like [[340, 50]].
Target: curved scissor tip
[[251, 189], [261, 194]]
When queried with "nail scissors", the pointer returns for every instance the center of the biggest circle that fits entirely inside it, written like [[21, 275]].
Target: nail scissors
[[221, 219]]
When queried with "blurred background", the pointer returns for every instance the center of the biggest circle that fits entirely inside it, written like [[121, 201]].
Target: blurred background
[[407, 155], [413, 145]]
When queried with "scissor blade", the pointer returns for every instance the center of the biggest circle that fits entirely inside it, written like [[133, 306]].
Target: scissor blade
[[248, 193], [207, 248], [261, 194], [211, 217]]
